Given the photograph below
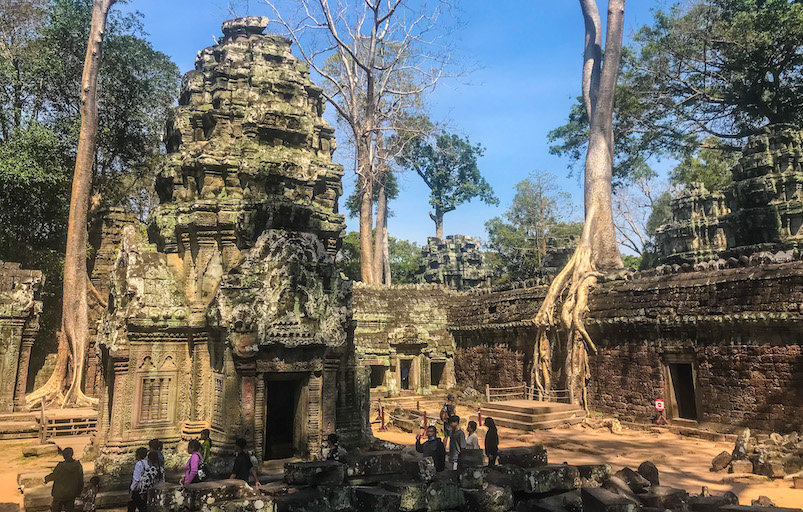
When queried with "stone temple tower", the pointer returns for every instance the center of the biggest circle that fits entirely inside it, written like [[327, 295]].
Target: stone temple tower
[[232, 316]]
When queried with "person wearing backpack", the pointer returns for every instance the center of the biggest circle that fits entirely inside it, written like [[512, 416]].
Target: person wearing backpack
[[152, 476], [447, 411], [136, 502], [243, 463], [194, 469]]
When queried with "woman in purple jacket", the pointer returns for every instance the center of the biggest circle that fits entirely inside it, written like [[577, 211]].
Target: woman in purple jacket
[[192, 465]]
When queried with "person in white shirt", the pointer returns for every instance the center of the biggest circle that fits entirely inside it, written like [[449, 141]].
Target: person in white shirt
[[472, 441], [137, 502]]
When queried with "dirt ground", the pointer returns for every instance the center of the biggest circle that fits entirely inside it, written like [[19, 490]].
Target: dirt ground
[[683, 462]]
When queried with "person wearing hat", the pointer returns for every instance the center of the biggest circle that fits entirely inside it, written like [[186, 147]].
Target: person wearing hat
[[447, 411]]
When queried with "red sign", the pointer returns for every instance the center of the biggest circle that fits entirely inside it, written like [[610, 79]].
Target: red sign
[[659, 405]]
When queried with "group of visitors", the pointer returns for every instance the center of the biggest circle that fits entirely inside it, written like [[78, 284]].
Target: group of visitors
[[457, 439]]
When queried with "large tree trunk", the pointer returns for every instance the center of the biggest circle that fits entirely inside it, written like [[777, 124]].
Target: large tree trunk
[[64, 386], [365, 183], [379, 233], [437, 218], [597, 250]]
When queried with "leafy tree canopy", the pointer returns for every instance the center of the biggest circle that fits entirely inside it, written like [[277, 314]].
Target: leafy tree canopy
[[405, 258], [711, 68]]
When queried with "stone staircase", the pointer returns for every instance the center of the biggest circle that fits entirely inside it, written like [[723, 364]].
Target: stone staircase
[[532, 415]]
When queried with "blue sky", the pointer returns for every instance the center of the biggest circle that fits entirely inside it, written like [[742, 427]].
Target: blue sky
[[527, 56]]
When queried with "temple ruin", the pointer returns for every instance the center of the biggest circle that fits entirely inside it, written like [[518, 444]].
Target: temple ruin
[[227, 313]]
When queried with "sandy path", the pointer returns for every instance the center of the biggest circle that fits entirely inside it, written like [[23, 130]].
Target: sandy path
[[682, 461]]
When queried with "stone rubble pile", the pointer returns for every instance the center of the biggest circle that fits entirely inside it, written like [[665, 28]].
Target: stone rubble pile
[[392, 480], [773, 455]]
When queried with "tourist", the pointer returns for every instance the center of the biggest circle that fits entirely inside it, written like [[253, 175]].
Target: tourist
[[90, 493], [491, 441], [68, 482], [193, 464], [153, 475], [206, 446], [447, 411], [472, 441], [243, 465], [334, 451], [156, 445], [432, 447], [457, 440], [136, 501]]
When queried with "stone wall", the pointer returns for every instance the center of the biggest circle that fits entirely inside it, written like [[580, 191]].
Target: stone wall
[[19, 321], [401, 335], [456, 262], [736, 331]]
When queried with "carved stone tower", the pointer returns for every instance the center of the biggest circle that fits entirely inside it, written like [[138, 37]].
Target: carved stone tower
[[237, 320]]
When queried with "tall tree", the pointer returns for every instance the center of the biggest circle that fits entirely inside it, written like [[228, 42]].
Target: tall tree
[[448, 166], [597, 251], [64, 385], [704, 74], [536, 221], [376, 58]]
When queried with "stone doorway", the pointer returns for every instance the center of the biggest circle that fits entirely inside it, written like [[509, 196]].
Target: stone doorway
[[377, 375], [436, 369], [404, 373], [281, 421], [684, 396]]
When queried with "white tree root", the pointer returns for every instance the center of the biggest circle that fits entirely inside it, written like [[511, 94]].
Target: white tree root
[[572, 286]]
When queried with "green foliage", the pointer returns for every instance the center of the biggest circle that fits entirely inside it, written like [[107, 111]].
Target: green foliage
[[632, 262], [721, 68], [534, 223], [710, 167], [449, 168], [391, 188], [661, 214], [405, 258]]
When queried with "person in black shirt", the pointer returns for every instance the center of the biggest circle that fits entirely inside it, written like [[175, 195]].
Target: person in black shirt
[[432, 447], [242, 463]]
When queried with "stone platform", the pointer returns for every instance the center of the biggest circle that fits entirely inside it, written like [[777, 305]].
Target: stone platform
[[531, 414], [60, 422]]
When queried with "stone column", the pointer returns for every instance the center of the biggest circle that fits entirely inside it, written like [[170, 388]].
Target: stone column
[[449, 380], [22, 369], [415, 374], [247, 403], [10, 340]]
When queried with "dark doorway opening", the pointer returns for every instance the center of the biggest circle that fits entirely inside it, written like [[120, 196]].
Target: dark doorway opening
[[436, 373], [404, 370], [281, 412], [683, 389], [377, 375]]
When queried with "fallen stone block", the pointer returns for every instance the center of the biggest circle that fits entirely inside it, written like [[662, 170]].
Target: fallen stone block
[[166, 497], [413, 494], [797, 482], [301, 500], [557, 503], [618, 486], [567, 477], [444, 496], [740, 450], [250, 504], [472, 478], [635, 481], [447, 476], [664, 497], [490, 499], [426, 469], [771, 469], [751, 508], [650, 472], [374, 499], [203, 494], [338, 497], [524, 457], [314, 473], [721, 461], [712, 503], [470, 459], [37, 498], [741, 466], [112, 499], [602, 500], [40, 450], [507, 476], [374, 463], [595, 473], [9, 507]]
